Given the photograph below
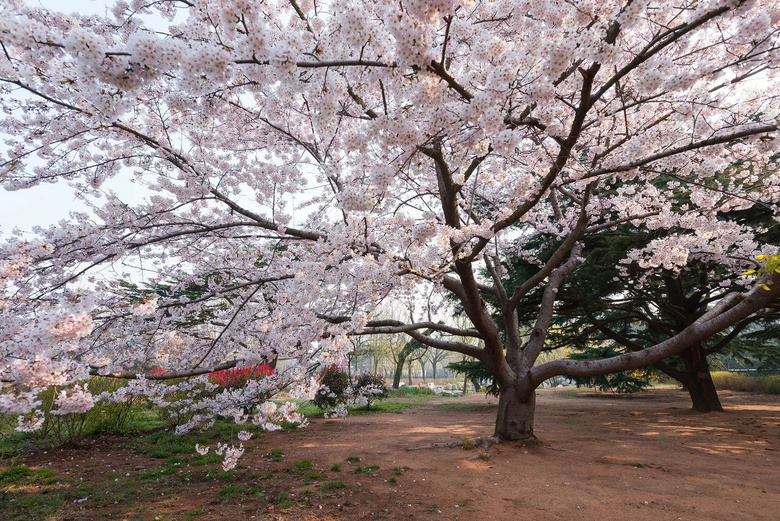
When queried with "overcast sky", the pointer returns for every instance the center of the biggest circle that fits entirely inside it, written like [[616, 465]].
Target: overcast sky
[[47, 204]]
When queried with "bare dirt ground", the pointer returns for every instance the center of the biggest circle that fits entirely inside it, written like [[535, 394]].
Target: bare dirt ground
[[601, 457]]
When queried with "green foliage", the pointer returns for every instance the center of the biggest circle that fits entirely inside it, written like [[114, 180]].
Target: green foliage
[[477, 373], [304, 464], [105, 417], [175, 291], [333, 485], [334, 384], [411, 391], [602, 305], [366, 469], [15, 473], [275, 455], [229, 492], [623, 382], [743, 382], [770, 266]]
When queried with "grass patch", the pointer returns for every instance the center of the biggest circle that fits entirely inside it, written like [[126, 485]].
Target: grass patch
[[275, 455], [304, 464], [199, 459], [15, 473], [366, 469], [398, 400], [229, 492], [411, 391], [163, 444], [192, 514], [353, 459], [283, 500], [387, 406], [310, 476], [725, 380], [333, 485]]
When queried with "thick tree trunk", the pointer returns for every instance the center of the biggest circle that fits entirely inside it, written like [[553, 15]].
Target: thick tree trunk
[[699, 382], [515, 420], [703, 394]]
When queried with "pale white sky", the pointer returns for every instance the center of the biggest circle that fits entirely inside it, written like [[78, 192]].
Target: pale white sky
[[47, 204]]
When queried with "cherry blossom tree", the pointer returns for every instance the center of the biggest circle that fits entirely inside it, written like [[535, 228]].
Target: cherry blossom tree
[[306, 160]]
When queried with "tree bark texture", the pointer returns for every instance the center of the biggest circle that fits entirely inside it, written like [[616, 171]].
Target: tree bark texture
[[515, 420], [699, 380]]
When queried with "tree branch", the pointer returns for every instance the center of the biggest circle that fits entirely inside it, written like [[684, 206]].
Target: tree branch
[[712, 322]]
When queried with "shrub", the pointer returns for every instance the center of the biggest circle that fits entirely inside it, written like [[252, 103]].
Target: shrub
[[238, 377], [334, 388], [412, 391], [742, 382], [370, 387]]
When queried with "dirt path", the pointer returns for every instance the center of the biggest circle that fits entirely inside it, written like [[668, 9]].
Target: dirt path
[[646, 457]]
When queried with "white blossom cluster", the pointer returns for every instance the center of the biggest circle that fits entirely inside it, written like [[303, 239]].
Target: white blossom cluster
[[299, 168]]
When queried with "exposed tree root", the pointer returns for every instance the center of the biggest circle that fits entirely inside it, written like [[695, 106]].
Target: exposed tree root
[[484, 443]]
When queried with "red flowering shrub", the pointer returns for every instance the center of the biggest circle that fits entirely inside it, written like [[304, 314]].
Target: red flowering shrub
[[157, 370], [239, 376]]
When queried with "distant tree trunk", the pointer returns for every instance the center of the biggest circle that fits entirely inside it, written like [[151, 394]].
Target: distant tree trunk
[[433, 363], [409, 371], [407, 350], [422, 368], [695, 377]]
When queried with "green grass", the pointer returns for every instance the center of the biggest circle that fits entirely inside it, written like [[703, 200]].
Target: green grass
[[163, 444], [366, 469], [15, 473], [275, 455], [336, 467], [310, 476], [411, 391], [192, 514], [353, 459], [283, 500], [398, 400], [229, 492], [742, 382], [304, 464], [333, 485]]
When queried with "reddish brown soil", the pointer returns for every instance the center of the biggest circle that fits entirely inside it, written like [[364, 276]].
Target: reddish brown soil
[[644, 457]]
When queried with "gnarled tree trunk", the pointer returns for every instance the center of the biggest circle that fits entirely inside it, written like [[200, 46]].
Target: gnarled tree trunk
[[515, 420]]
